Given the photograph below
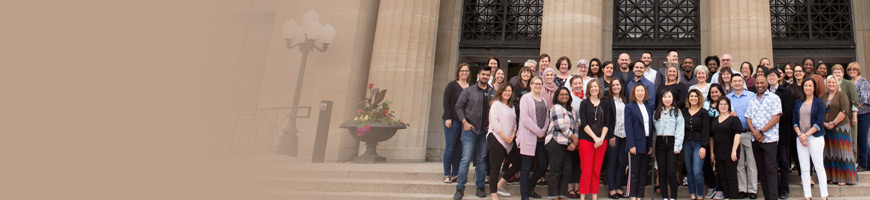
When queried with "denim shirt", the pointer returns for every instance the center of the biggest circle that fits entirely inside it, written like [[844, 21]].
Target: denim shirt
[[670, 125]]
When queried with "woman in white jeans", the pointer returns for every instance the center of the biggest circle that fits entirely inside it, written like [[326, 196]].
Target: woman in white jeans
[[808, 119]]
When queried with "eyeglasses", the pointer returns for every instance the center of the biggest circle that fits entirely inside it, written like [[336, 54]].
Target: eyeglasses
[[537, 84], [853, 69]]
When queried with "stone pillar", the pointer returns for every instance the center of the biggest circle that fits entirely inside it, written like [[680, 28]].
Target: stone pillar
[[861, 24], [403, 60], [741, 28], [446, 59], [574, 29]]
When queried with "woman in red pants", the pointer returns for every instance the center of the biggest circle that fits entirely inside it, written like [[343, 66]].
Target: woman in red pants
[[597, 120]]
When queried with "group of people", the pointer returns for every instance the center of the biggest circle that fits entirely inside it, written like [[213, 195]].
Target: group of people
[[746, 125]]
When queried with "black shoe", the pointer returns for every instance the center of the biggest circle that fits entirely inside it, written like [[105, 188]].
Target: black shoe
[[752, 196], [459, 194], [534, 195], [783, 195], [741, 195], [481, 192]]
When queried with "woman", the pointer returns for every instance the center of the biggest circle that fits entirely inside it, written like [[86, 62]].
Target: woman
[[863, 89], [713, 191], [725, 142], [453, 148], [638, 127], [595, 68], [543, 63], [789, 73], [607, 76], [822, 70], [701, 75], [852, 95], [577, 97], [560, 140], [809, 115], [499, 139], [697, 138], [492, 63], [523, 87], [672, 83], [532, 128], [670, 130], [839, 159], [550, 86], [597, 119], [725, 79], [712, 63], [563, 65], [616, 157], [499, 78], [746, 71]]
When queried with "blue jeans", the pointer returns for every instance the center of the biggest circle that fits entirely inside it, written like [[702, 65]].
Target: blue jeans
[[452, 149], [472, 143], [694, 167], [863, 147]]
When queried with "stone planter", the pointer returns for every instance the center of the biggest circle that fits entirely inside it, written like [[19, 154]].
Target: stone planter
[[377, 133]]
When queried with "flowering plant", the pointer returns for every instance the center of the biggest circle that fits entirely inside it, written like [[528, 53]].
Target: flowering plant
[[375, 110]]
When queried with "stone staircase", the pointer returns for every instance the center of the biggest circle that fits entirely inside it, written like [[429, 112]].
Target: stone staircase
[[417, 181]]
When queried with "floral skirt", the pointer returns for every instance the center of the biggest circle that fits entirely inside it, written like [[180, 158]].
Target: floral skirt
[[839, 158]]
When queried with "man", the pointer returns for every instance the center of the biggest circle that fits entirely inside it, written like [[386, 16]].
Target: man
[[473, 108], [544, 63], [625, 73], [649, 73], [763, 119], [764, 62], [726, 63], [747, 179], [640, 79], [786, 132], [688, 72]]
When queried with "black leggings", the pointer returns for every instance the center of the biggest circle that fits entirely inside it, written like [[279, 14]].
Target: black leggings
[[728, 176], [497, 154], [667, 163]]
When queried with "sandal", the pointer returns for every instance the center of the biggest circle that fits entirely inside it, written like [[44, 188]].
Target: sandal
[[573, 194], [447, 179], [454, 179]]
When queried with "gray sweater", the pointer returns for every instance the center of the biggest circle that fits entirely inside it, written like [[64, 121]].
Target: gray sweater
[[473, 106]]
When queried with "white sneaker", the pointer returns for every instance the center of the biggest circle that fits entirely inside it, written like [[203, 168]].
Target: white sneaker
[[710, 193], [503, 192], [719, 195]]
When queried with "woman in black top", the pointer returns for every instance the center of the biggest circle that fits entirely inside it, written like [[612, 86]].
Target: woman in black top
[[522, 85], [597, 119], [672, 82], [725, 142], [453, 148], [695, 142]]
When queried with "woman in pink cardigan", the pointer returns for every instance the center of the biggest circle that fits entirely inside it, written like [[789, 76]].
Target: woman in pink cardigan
[[530, 136]]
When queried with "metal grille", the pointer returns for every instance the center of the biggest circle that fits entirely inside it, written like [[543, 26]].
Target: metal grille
[[652, 21], [502, 20], [811, 20]]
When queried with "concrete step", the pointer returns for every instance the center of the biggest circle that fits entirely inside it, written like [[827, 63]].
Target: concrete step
[[436, 176], [430, 187], [284, 195]]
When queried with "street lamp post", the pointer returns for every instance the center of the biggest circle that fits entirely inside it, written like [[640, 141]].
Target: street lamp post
[[308, 33]]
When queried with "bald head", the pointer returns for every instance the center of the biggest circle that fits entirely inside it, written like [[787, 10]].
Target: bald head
[[624, 60]]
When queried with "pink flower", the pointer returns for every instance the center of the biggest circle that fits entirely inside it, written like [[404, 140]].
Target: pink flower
[[371, 85]]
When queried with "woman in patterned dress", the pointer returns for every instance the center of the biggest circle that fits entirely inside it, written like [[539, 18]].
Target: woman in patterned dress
[[839, 159]]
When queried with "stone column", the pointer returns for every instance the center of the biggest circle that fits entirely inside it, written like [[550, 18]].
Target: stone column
[[574, 29], [446, 59], [741, 28], [861, 24], [403, 60]]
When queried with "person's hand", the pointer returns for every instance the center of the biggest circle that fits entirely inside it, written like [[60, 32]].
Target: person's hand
[[702, 153], [649, 152], [713, 159], [448, 123], [676, 153], [571, 147], [467, 127], [612, 142], [733, 113], [734, 156], [854, 121], [506, 139], [632, 150], [803, 139]]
